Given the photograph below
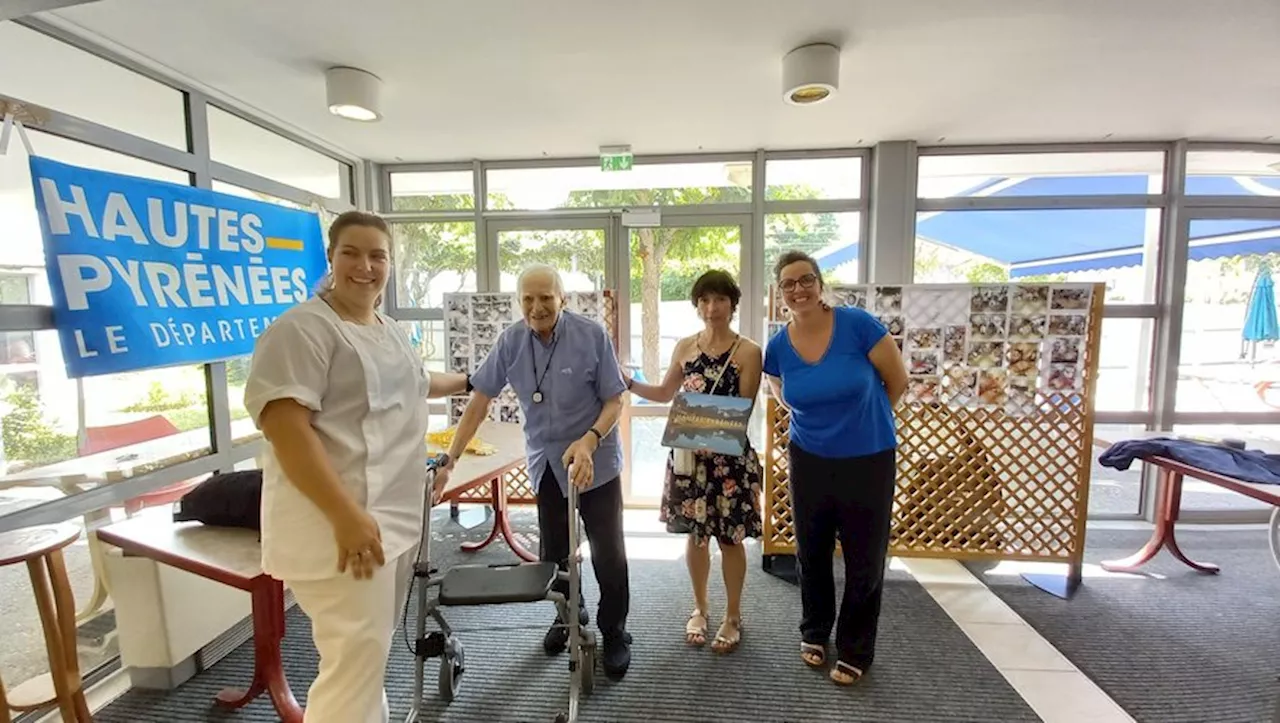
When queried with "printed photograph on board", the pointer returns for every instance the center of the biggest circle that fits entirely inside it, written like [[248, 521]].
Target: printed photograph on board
[[986, 355], [486, 332], [895, 324], [922, 390], [1027, 327], [1064, 376], [989, 299], [492, 307], [1065, 350], [987, 327], [1024, 359], [922, 363], [1068, 325], [993, 386], [960, 385], [925, 338], [1070, 299], [509, 413], [846, 296], [889, 299], [1022, 394], [954, 344], [1030, 299]]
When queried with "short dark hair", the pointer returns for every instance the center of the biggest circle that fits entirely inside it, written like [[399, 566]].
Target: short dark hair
[[356, 218], [717, 283], [794, 257]]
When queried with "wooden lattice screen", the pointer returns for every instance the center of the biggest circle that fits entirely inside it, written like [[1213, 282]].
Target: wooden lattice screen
[[985, 470], [519, 487]]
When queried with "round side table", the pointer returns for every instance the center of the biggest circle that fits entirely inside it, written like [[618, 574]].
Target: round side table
[[41, 549]]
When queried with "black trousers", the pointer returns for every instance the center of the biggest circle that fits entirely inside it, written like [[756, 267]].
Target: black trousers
[[850, 497], [601, 514]]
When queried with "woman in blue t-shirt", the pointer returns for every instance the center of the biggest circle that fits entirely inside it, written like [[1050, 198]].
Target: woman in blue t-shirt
[[840, 375]]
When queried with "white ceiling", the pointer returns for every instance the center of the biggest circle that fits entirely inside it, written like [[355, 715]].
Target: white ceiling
[[515, 79]]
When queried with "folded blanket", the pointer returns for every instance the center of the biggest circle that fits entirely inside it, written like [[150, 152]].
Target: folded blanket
[[1248, 465]]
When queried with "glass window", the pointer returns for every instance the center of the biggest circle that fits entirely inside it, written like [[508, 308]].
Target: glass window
[[432, 191], [1041, 174], [1229, 335], [1115, 246], [241, 144], [1233, 173], [831, 238], [326, 216], [433, 259], [577, 253], [648, 463], [1111, 491], [15, 288], [242, 427], [427, 337], [17, 347], [133, 422], [1124, 365], [666, 184], [69, 80], [23, 246], [1198, 495], [810, 178], [662, 312]]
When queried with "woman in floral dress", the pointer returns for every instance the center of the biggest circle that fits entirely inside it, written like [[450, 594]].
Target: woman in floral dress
[[718, 496]]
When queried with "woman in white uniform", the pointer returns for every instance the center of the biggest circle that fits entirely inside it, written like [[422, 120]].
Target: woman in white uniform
[[341, 397]]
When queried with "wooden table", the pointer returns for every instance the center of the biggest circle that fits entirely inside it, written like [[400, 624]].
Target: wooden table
[[1169, 505], [472, 471], [232, 557]]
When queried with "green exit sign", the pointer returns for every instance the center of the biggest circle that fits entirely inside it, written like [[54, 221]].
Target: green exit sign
[[617, 158]]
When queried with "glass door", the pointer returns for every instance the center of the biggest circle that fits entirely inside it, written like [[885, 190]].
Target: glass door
[[1228, 383], [574, 245], [661, 266]]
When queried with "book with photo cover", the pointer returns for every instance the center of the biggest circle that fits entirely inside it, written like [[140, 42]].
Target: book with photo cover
[[708, 422]]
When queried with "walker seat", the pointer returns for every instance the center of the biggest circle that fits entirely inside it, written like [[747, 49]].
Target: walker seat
[[497, 584]]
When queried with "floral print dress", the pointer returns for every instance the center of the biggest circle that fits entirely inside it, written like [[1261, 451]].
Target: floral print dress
[[721, 499]]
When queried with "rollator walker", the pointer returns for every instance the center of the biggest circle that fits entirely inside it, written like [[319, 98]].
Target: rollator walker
[[471, 585]]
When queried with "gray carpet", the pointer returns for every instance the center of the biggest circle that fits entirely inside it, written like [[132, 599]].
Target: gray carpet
[[1188, 648], [926, 669]]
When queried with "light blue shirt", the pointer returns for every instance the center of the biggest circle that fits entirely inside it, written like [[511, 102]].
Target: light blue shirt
[[577, 371]]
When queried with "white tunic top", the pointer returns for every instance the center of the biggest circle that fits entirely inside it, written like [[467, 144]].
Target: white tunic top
[[368, 392]]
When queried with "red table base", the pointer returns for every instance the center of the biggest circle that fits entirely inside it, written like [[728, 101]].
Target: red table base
[[268, 670], [1168, 507], [501, 525]]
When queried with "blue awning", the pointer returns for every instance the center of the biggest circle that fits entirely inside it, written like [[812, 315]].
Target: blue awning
[[1038, 242], [1050, 242]]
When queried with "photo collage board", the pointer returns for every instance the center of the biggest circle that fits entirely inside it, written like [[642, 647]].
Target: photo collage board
[[473, 323], [979, 346]]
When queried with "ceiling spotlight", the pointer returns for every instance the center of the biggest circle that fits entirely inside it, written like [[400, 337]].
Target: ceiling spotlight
[[810, 74], [353, 94]]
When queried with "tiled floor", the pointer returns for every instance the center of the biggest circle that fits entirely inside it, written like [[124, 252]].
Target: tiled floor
[[1054, 688], [1051, 684]]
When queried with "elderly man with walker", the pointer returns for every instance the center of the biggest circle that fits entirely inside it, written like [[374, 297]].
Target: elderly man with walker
[[563, 368]]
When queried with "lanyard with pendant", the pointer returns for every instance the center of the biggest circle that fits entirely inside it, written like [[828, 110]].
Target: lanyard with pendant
[[537, 379]]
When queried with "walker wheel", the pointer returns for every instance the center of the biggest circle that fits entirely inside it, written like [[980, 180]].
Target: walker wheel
[[451, 667], [587, 666]]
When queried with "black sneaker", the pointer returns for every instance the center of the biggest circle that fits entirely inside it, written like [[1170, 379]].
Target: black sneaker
[[616, 655], [557, 637]]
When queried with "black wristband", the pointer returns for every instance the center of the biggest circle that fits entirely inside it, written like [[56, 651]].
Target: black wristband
[[469, 387], [599, 437]]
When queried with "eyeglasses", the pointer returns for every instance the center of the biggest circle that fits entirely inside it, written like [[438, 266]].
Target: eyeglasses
[[806, 282]]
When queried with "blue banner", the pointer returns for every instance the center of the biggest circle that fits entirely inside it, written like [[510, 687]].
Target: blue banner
[[148, 274]]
